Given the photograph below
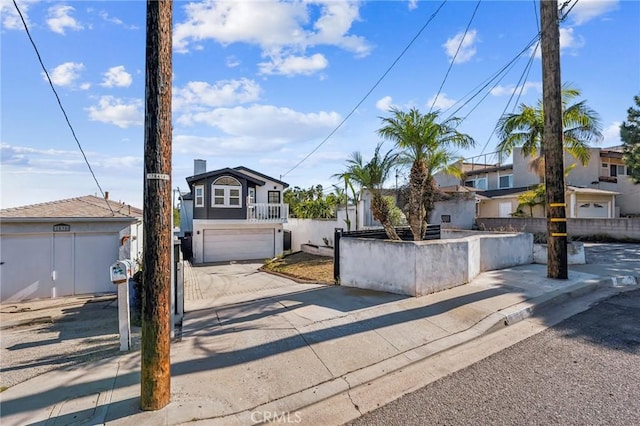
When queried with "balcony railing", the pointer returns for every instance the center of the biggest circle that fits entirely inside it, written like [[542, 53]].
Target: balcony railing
[[263, 212]]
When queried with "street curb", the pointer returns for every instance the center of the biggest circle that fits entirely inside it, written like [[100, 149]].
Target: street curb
[[341, 387]]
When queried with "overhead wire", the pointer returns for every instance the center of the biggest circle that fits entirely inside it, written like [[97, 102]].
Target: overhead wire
[[369, 92], [66, 117], [453, 60]]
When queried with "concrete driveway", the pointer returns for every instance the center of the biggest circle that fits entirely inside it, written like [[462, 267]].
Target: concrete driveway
[[224, 283]]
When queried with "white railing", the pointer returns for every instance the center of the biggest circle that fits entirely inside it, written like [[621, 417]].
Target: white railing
[[263, 212]]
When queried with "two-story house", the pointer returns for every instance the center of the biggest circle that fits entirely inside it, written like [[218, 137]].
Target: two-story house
[[601, 189], [236, 214]]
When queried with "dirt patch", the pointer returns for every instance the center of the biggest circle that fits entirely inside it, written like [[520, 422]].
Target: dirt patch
[[304, 266]]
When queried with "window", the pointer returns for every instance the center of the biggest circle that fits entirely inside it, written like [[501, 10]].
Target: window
[[480, 183], [506, 181], [621, 170], [227, 192], [199, 195], [273, 197]]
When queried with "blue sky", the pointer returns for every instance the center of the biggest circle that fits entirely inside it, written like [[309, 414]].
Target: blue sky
[[263, 83]]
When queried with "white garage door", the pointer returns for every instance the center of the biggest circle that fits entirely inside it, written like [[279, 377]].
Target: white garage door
[[238, 244], [26, 267], [593, 209], [94, 253]]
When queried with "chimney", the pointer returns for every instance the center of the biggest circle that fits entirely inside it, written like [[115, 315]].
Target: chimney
[[199, 167], [106, 195]]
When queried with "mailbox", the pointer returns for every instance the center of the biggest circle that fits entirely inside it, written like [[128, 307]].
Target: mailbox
[[121, 271]]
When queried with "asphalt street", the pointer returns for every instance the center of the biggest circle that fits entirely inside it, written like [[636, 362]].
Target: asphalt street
[[583, 371]]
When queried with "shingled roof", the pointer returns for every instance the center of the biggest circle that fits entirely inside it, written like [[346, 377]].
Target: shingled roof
[[87, 207]]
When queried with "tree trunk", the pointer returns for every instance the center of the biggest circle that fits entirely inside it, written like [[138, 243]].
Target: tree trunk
[[552, 141], [156, 288], [415, 208], [380, 211], [428, 200]]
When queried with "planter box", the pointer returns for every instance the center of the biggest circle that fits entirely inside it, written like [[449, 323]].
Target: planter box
[[417, 268], [575, 253], [317, 250]]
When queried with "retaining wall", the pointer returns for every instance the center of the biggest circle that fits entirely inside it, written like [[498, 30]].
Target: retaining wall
[[620, 228], [417, 268]]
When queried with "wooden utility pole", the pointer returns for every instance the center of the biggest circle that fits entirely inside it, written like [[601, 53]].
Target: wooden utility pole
[[552, 141], [156, 300]]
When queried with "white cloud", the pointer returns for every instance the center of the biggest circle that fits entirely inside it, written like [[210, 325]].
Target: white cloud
[[268, 122], [508, 90], [334, 24], [59, 19], [567, 41], [198, 95], [413, 4], [586, 10], [611, 135], [443, 102], [10, 18], [115, 20], [232, 61], [385, 104], [115, 111], [467, 49], [293, 65], [66, 74], [117, 77], [280, 28]]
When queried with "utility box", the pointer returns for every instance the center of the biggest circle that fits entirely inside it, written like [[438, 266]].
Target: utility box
[[121, 271]]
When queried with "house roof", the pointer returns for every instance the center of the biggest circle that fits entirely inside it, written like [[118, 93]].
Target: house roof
[[498, 193], [284, 184], [595, 191], [511, 192], [491, 169], [225, 171], [458, 188], [87, 207]]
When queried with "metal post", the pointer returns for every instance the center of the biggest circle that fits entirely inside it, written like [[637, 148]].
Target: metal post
[[337, 235]]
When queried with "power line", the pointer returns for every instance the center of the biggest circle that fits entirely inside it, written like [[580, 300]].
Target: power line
[[453, 60], [369, 92], [521, 82], [26, 28]]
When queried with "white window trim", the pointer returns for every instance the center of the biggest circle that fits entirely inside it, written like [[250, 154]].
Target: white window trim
[[510, 181], [227, 196], [195, 196]]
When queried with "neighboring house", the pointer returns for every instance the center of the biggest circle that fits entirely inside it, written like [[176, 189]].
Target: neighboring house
[[65, 248], [601, 189], [237, 214]]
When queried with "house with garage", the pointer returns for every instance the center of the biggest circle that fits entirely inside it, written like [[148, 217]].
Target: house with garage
[[65, 247], [237, 214], [600, 189]]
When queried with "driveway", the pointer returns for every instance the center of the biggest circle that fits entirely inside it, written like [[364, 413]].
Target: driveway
[[219, 284], [611, 259]]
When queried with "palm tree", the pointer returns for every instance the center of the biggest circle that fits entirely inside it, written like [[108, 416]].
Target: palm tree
[[427, 146], [371, 176], [355, 196], [525, 128]]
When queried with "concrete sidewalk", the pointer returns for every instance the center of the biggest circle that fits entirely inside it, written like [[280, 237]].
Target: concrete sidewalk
[[300, 345]]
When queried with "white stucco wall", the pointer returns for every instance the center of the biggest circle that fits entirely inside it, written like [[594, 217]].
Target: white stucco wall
[[462, 212], [313, 231], [417, 268]]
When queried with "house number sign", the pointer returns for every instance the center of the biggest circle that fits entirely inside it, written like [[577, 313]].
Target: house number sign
[[61, 227]]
